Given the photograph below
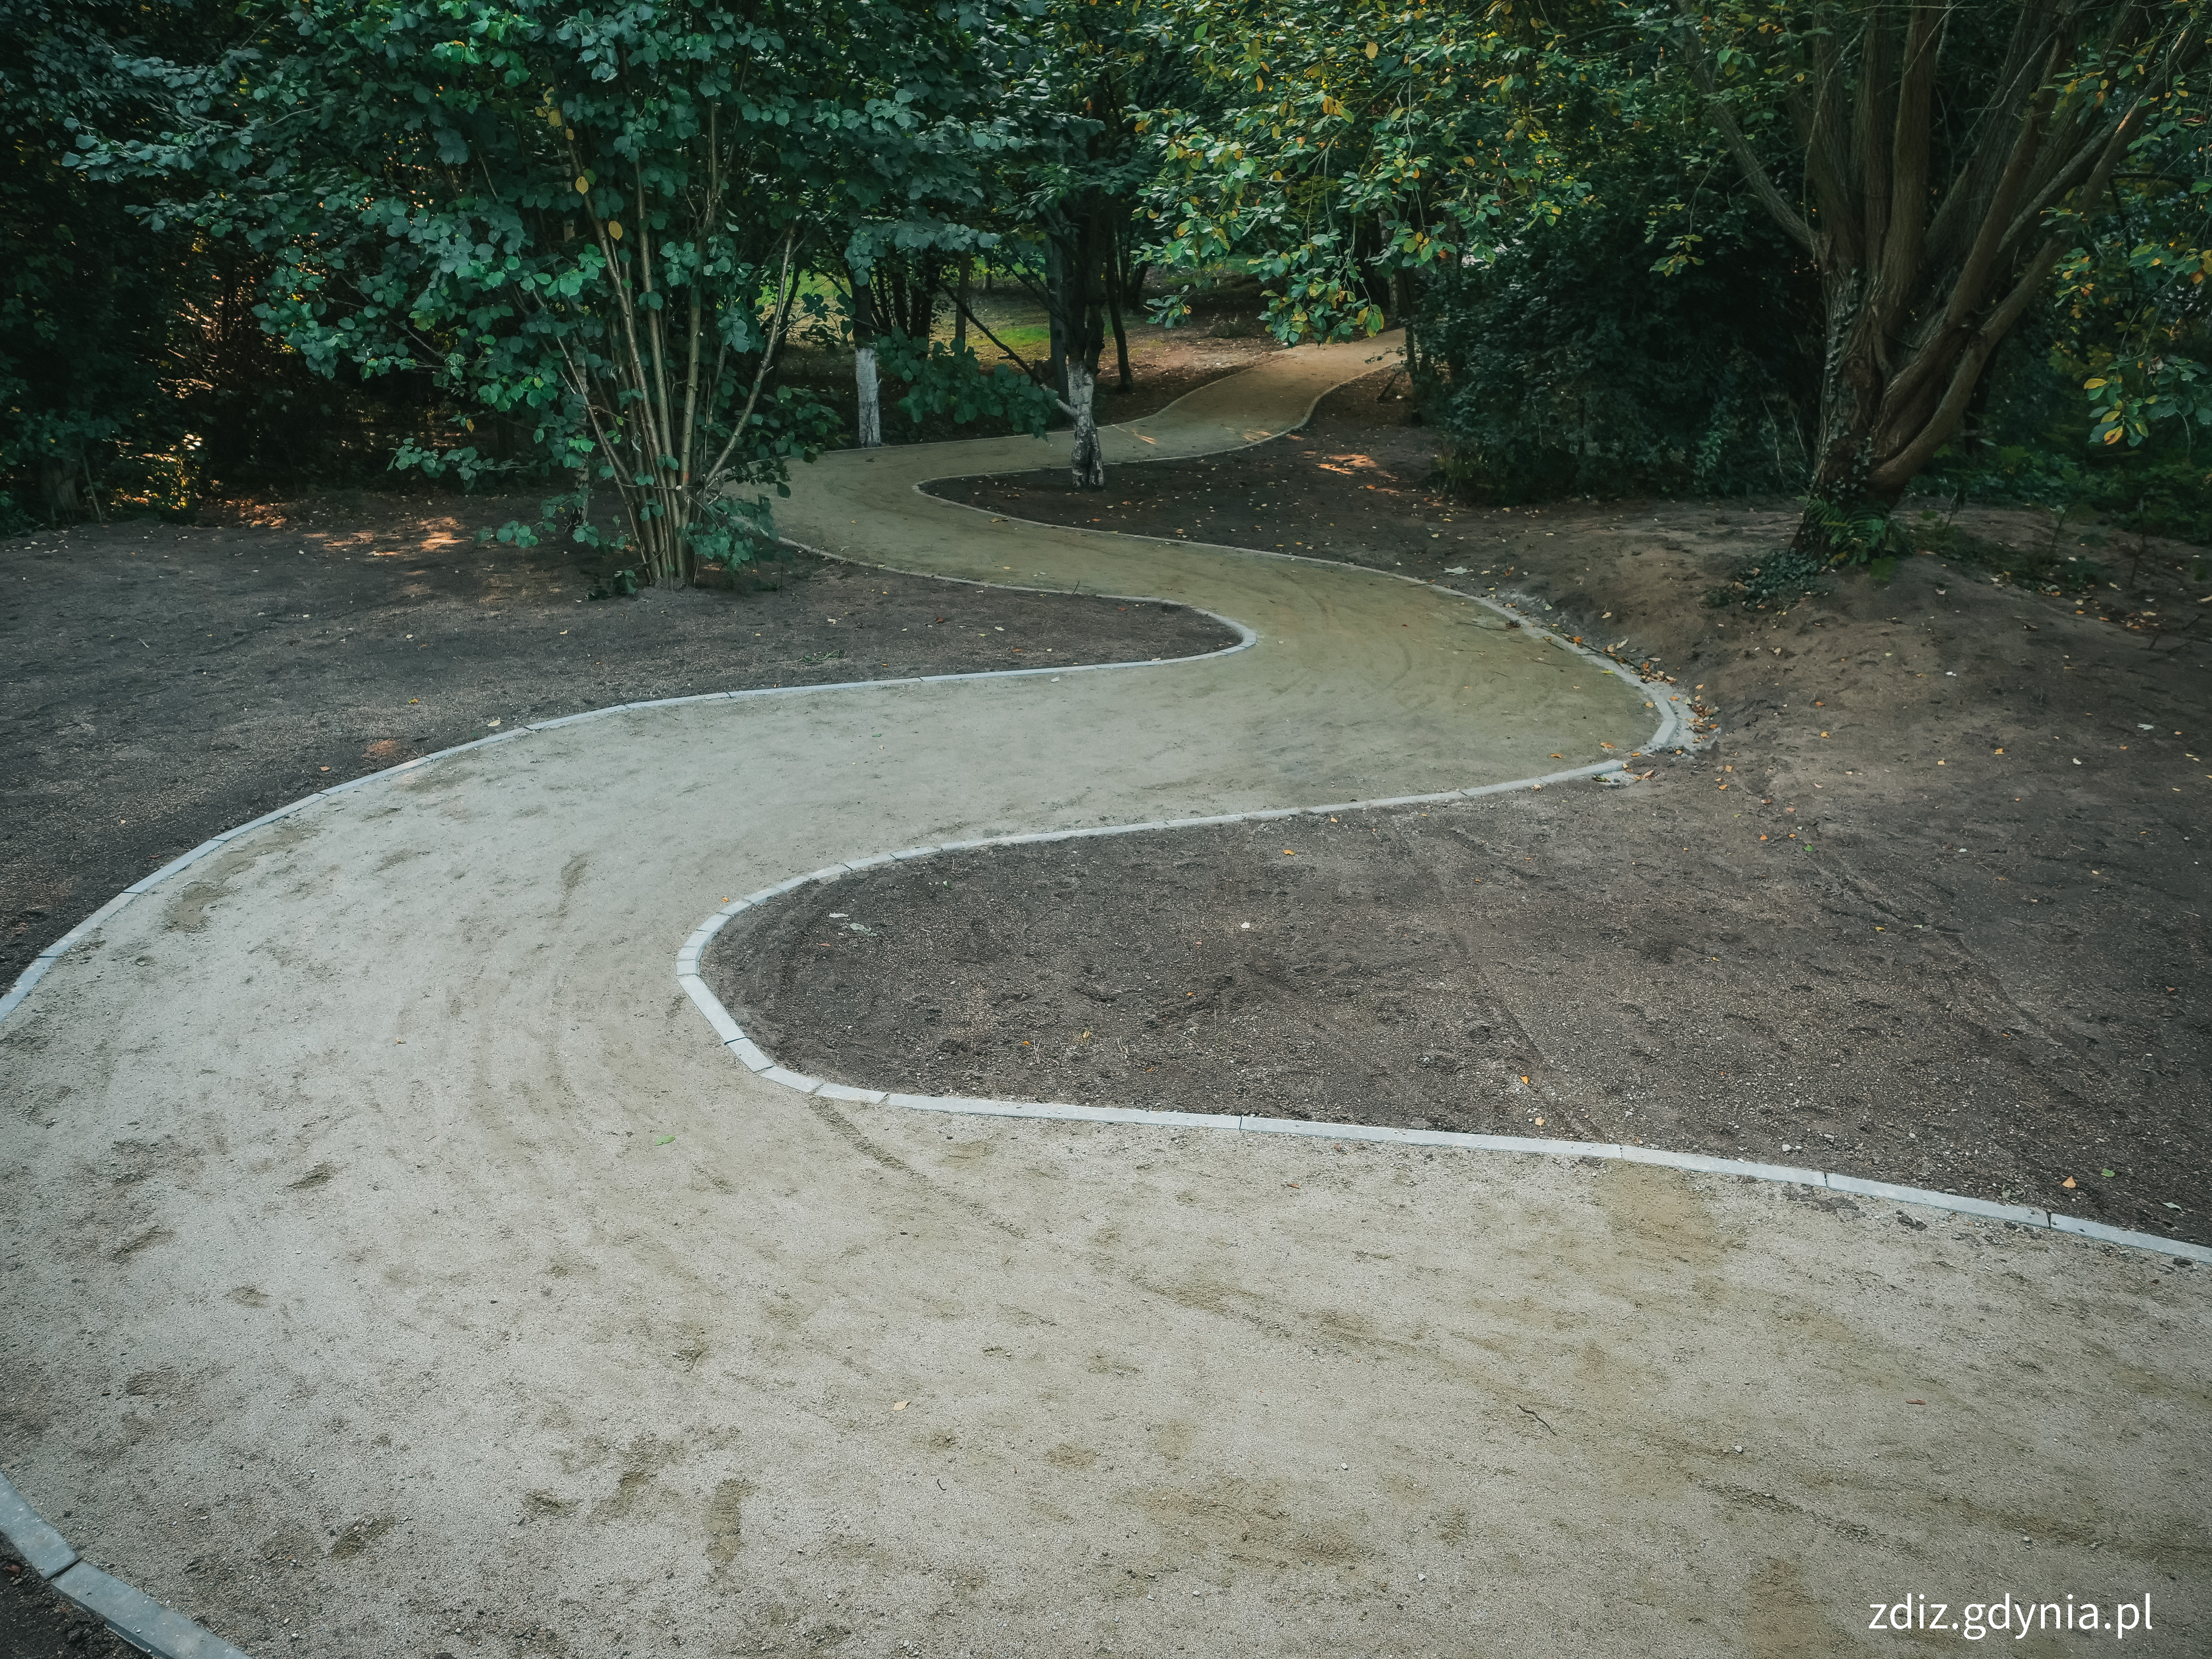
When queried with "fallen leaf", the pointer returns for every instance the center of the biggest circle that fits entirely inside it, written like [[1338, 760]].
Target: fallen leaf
[[898, 1405], [1916, 1402], [2068, 1183], [663, 1140]]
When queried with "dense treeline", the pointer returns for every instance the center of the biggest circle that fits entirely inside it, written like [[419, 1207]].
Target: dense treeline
[[1840, 249]]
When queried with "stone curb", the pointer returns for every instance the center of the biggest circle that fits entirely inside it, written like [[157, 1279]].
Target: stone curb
[[1674, 731], [139, 1619], [757, 1060], [131, 1614], [157, 1630]]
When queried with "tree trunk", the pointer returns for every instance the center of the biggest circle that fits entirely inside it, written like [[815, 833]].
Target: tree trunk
[[1120, 341], [960, 304], [1117, 277], [864, 365], [1924, 275], [1406, 301], [1056, 279], [57, 483], [1086, 462]]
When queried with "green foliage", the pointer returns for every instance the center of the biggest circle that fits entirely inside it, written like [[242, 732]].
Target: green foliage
[[1335, 145], [2027, 449], [1330, 142], [1857, 534], [1784, 573], [1574, 369], [592, 222], [943, 379], [92, 302]]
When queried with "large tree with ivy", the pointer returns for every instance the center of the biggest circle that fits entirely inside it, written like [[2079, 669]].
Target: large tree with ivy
[[592, 220]]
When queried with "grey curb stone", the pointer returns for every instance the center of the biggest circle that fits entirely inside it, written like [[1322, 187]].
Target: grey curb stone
[[726, 1029], [1980, 1207], [251, 824], [138, 1618], [21, 988], [844, 1091], [352, 784], [1702, 1164], [673, 703], [24, 1528], [827, 874], [2103, 1234], [565, 720], [146, 884], [758, 1060]]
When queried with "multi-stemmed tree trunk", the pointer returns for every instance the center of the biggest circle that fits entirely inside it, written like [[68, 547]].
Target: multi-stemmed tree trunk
[[1945, 169]]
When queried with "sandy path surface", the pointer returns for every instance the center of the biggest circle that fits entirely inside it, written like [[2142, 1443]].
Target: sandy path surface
[[397, 1264]]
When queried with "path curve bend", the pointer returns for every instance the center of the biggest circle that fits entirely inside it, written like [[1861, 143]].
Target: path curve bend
[[394, 1257]]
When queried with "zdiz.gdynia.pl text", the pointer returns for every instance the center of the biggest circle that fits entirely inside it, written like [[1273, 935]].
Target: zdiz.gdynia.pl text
[[1976, 1620]]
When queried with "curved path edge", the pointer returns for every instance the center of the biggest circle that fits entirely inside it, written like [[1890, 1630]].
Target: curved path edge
[[146, 1624], [155, 1629], [756, 1060]]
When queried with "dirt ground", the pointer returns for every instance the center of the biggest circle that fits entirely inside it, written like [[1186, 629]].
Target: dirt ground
[[37, 1623], [1928, 906], [166, 681]]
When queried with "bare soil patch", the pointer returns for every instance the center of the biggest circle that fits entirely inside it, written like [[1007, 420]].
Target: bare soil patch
[[166, 681], [1928, 907], [36, 1622]]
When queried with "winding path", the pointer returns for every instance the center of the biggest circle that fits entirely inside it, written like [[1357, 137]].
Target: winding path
[[397, 1263]]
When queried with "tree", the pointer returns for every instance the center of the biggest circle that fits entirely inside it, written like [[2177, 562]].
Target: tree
[[1936, 164], [1337, 147], [92, 301], [592, 221], [1936, 167], [1090, 70]]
